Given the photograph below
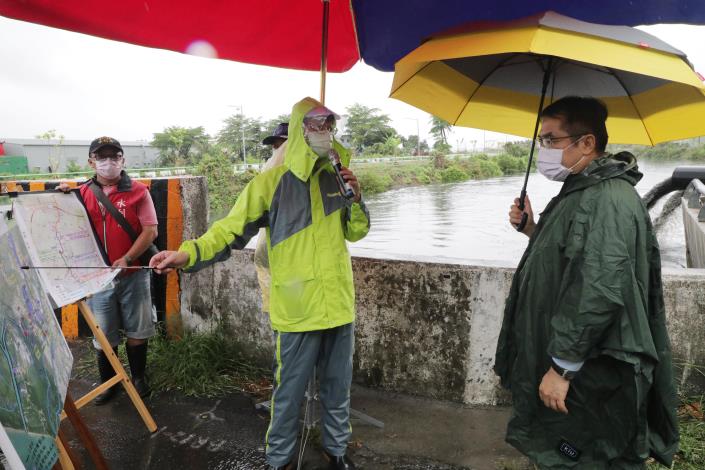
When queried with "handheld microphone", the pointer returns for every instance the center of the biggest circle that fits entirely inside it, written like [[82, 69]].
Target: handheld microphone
[[343, 186]]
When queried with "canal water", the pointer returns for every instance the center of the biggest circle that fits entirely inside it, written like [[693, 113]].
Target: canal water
[[468, 222]]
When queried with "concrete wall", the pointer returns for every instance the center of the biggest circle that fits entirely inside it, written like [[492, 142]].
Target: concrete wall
[[39, 153], [422, 328]]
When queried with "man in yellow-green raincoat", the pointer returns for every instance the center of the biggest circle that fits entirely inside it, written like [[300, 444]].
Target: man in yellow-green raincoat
[[312, 298]]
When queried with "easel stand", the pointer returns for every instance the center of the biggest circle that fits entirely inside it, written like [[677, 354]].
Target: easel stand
[[120, 374], [67, 457], [66, 460]]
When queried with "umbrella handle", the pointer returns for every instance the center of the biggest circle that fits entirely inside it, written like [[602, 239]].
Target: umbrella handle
[[524, 216]]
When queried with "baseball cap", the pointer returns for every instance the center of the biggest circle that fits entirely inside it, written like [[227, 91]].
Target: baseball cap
[[104, 141], [320, 112], [281, 132]]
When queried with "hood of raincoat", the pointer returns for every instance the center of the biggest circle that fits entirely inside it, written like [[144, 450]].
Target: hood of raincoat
[[622, 165], [300, 159]]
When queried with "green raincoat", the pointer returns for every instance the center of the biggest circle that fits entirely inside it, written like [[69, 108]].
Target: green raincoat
[[307, 223], [588, 288]]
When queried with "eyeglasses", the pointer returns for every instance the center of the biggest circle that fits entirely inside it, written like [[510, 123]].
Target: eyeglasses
[[107, 156], [548, 141], [320, 123]]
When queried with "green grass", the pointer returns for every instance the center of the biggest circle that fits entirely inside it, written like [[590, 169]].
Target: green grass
[[691, 453], [197, 365], [204, 365], [379, 177]]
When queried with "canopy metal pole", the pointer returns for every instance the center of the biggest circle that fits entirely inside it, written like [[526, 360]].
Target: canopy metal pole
[[324, 50], [522, 197]]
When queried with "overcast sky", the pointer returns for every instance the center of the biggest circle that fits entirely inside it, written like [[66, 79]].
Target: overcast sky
[[84, 86]]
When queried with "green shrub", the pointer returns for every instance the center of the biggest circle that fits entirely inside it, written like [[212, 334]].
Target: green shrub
[[480, 167], [224, 186], [374, 181], [73, 167], [453, 174], [510, 165]]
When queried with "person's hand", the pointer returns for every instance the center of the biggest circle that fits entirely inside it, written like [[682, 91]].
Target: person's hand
[[553, 390], [120, 263], [349, 177], [63, 187], [166, 261], [515, 215]]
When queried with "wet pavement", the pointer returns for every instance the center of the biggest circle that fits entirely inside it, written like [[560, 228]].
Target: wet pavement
[[227, 433]]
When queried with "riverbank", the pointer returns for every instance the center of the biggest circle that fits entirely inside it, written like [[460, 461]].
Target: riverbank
[[380, 177], [224, 187]]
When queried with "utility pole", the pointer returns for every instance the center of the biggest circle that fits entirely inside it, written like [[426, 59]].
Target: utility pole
[[242, 128], [244, 158], [418, 139]]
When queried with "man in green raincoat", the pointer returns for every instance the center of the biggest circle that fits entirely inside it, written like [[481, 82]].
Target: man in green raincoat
[[583, 346], [312, 297]]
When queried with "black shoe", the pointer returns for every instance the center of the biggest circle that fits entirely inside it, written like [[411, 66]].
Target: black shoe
[[141, 386], [106, 396], [342, 462], [106, 373]]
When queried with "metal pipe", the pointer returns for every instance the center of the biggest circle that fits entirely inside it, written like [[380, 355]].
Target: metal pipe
[[324, 49]]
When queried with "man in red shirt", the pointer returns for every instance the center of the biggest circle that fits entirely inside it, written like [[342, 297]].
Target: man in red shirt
[[127, 304]]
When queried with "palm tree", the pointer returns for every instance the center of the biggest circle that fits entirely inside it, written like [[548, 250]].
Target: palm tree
[[439, 128]]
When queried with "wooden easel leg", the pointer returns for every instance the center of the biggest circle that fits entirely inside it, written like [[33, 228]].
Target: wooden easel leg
[[121, 375], [67, 459], [84, 434]]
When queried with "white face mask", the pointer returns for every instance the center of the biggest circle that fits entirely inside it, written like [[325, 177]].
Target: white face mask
[[320, 142], [108, 168], [550, 163]]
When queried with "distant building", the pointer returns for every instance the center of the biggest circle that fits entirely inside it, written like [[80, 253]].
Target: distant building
[[53, 156]]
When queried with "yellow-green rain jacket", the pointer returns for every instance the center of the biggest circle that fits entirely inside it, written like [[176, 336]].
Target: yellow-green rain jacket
[[307, 223]]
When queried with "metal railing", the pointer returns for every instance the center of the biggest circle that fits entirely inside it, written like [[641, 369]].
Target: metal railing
[[694, 194]]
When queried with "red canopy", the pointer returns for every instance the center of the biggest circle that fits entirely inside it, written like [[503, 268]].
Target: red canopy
[[287, 33], [279, 33]]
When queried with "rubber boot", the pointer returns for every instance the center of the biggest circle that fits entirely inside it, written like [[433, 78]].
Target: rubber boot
[[342, 462], [137, 356], [106, 373]]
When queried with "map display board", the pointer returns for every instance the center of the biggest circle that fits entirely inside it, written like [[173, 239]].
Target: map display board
[[58, 233], [35, 361]]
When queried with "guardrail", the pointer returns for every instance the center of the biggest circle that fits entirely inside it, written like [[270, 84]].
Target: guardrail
[[693, 204], [695, 195]]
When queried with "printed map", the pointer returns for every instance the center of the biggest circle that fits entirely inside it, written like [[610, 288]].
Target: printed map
[[35, 361], [58, 233]]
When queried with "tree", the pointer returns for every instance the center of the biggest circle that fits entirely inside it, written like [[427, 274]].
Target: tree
[[56, 153], [367, 126], [237, 128], [440, 129], [518, 149], [440, 147], [180, 145], [409, 146]]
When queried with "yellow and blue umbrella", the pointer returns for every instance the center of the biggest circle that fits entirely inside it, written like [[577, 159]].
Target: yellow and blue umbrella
[[498, 76], [491, 78]]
